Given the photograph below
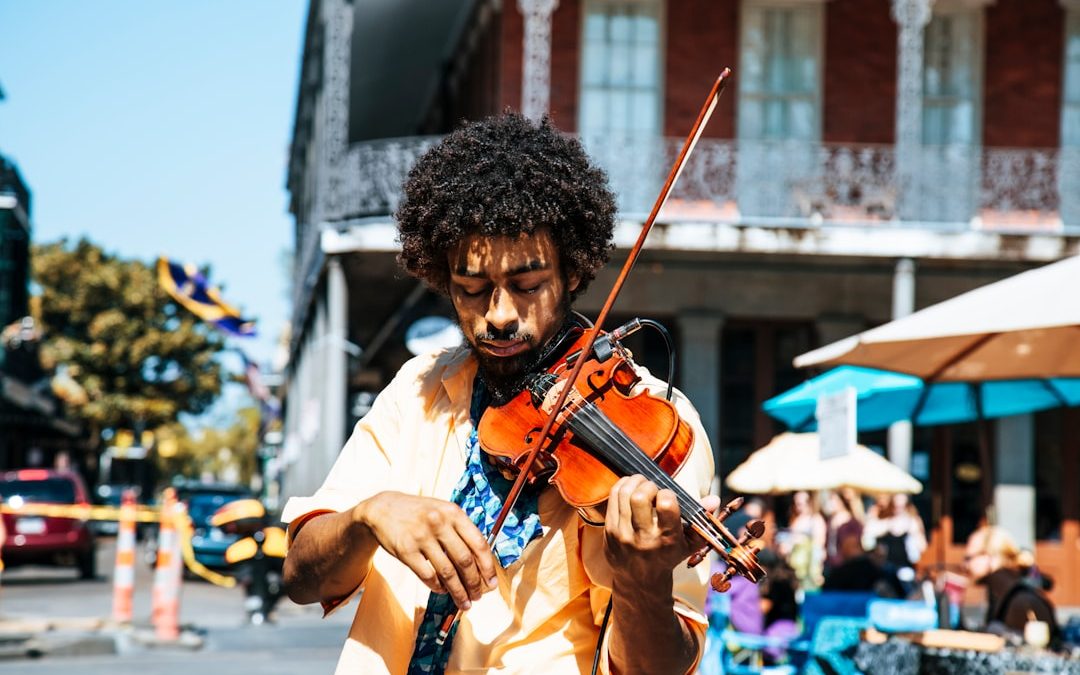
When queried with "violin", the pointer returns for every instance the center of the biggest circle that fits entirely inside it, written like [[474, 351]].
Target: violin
[[606, 430]]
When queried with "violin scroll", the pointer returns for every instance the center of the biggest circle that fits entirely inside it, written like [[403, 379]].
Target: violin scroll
[[740, 556]]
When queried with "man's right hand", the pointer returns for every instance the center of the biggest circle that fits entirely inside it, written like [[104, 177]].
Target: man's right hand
[[435, 539]]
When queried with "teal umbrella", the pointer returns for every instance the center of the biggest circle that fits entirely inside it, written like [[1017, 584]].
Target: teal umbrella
[[885, 397]]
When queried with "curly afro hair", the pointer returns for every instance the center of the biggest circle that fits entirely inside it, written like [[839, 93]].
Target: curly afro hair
[[505, 175]]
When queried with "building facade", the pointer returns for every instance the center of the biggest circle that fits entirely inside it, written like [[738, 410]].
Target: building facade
[[33, 427], [869, 158]]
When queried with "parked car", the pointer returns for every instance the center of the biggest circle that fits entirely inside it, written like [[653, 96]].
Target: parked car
[[207, 541], [47, 539]]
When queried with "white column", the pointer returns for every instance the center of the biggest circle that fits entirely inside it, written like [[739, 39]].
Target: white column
[[335, 369], [903, 304], [536, 64], [1014, 489], [699, 365], [911, 17]]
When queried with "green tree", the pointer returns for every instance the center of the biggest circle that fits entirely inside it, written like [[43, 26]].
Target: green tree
[[212, 449], [141, 358]]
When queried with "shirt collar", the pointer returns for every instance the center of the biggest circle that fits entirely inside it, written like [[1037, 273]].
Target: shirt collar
[[457, 378]]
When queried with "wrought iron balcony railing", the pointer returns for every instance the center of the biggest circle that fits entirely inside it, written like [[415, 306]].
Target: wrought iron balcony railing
[[790, 184]]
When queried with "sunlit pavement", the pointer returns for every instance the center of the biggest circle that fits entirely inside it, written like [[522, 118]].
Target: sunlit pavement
[[69, 619]]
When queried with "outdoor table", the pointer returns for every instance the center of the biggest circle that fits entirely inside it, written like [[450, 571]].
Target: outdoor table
[[897, 656]]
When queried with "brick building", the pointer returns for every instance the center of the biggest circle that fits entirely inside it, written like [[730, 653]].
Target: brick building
[[869, 158]]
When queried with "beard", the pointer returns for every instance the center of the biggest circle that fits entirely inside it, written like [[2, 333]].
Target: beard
[[506, 376]]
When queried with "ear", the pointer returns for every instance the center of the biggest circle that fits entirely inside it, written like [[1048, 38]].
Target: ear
[[572, 281]]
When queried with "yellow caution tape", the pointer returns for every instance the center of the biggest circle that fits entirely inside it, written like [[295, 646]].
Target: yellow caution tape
[[186, 529], [143, 514]]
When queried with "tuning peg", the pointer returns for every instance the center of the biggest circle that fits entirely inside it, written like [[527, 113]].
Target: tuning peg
[[721, 581], [729, 508], [698, 556], [754, 530]]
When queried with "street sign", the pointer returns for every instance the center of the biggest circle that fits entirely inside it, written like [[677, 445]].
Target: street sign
[[836, 423]]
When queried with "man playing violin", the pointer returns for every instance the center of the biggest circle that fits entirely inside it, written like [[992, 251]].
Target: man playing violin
[[510, 220]]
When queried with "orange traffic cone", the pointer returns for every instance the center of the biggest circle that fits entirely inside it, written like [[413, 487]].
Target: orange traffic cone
[[166, 593], [124, 574]]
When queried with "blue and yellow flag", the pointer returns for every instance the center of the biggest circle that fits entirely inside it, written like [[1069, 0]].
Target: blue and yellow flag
[[190, 289]]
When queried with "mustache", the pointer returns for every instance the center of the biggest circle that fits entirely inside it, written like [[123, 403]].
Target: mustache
[[493, 334]]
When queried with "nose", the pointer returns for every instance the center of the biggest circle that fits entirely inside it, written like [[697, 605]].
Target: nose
[[502, 315]]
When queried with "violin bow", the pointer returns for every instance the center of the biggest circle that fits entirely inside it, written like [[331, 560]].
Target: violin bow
[[631, 258]]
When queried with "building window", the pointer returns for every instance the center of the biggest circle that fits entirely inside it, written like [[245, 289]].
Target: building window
[[620, 69], [951, 77], [1070, 104], [780, 73]]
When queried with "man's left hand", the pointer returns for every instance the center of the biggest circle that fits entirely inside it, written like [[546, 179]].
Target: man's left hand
[[643, 533]]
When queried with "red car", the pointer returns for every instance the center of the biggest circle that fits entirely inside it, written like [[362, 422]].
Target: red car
[[46, 539]]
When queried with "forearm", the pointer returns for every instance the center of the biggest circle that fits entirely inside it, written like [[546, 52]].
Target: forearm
[[647, 636], [329, 557]]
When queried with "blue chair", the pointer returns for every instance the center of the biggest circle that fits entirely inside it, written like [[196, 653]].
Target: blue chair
[[731, 652], [902, 616], [743, 654], [817, 606], [834, 642]]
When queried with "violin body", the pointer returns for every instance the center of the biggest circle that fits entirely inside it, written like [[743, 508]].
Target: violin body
[[582, 476]]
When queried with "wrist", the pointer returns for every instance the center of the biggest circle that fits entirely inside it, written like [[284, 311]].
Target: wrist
[[655, 591], [363, 515]]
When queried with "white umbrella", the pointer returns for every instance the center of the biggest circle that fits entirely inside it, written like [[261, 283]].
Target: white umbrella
[[1026, 326], [792, 462]]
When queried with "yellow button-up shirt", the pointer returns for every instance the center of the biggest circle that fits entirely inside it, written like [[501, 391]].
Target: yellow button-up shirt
[[545, 615]]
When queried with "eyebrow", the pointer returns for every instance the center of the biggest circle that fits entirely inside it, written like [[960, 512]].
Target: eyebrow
[[531, 266]]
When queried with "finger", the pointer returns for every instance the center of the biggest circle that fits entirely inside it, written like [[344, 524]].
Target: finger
[[611, 517], [423, 570], [461, 556], [621, 519], [447, 574], [643, 507], [668, 516], [482, 553], [710, 503]]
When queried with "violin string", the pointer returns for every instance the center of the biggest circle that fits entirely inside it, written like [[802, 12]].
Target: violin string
[[631, 459], [634, 460]]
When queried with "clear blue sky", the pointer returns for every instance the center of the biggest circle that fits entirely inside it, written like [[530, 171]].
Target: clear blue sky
[[160, 127]]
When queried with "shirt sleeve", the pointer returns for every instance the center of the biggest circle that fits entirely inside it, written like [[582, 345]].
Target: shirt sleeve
[[362, 467], [361, 470]]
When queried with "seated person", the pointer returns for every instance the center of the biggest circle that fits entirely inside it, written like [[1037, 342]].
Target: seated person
[[993, 560], [862, 571], [777, 596], [768, 608]]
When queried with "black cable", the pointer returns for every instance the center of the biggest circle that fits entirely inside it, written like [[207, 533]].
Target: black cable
[[658, 327], [600, 640]]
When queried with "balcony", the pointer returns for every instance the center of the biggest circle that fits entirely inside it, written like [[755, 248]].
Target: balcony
[[790, 184]]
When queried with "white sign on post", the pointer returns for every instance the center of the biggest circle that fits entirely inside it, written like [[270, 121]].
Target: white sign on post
[[836, 423]]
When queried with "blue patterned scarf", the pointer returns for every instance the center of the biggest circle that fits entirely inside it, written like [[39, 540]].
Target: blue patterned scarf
[[479, 493]]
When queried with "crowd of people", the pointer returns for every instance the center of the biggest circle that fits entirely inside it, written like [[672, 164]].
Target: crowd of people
[[854, 543]]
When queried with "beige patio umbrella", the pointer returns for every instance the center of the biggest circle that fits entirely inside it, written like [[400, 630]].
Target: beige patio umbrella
[[1025, 326], [792, 462]]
